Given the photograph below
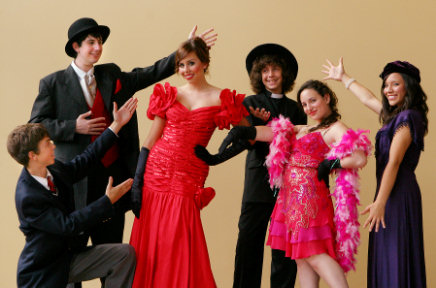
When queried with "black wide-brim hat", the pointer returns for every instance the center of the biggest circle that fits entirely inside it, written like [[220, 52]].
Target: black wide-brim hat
[[272, 49], [80, 27]]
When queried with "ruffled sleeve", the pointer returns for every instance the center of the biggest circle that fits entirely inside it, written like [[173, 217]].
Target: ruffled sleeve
[[412, 119], [347, 197], [161, 99], [232, 110]]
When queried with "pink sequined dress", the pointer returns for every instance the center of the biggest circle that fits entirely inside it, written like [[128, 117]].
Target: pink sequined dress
[[168, 238], [302, 222]]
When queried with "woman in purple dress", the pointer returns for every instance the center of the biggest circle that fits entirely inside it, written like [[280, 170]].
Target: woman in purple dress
[[396, 249]]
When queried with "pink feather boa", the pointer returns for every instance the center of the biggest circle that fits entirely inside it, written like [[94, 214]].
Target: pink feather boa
[[346, 191], [346, 194], [279, 149]]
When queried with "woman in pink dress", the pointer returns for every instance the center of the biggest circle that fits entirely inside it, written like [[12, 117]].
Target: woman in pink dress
[[304, 223], [168, 236]]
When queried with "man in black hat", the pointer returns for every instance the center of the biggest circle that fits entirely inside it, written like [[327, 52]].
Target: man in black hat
[[272, 69], [73, 105]]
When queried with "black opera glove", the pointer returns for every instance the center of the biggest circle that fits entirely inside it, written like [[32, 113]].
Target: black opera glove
[[138, 182], [223, 156], [236, 134], [325, 167]]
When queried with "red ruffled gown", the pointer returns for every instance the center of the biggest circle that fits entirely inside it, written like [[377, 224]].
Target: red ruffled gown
[[302, 222], [168, 238]]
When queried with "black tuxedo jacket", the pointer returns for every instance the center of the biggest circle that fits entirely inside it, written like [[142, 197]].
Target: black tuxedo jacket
[[256, 186], [53, 230], [60, 101]]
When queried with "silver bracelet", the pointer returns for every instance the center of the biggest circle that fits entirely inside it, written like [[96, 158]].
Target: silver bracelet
[[351, 80]]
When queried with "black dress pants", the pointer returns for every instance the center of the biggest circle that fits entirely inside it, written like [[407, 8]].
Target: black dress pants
[[253, 224], [111, 230]]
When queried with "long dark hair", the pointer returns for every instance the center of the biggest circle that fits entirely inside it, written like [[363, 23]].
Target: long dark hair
[[322, 89], [415, 98]]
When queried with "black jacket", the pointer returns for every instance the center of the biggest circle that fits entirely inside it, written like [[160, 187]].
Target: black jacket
[[53, 230], [256, 187], [60, 101]]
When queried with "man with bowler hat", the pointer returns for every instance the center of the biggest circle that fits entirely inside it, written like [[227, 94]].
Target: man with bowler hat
[[74, 104], [272, 70]]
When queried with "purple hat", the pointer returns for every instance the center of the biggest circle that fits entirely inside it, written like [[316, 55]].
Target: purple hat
[[401, 67]]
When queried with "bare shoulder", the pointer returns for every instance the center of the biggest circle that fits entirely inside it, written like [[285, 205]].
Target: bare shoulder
[[335, 132], [301, 128], [215, 91], [339, 127], [181, 90]]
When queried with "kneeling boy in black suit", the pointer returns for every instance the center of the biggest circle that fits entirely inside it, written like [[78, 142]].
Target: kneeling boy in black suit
[[55, 252]]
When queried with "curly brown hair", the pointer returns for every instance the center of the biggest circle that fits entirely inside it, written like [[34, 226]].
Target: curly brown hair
[[260, 63]]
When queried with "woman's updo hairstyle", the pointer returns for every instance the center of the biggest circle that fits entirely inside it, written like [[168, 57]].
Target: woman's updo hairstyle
[[196, 45]]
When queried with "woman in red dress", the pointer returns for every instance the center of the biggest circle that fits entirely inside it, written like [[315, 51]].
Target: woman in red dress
[[168, 236]]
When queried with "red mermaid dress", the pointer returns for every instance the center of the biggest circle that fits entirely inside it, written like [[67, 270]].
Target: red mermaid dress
[[302, 222], [168, 238]]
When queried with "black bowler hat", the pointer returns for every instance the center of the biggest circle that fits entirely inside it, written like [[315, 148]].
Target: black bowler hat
[[272, 49], [80, 27]]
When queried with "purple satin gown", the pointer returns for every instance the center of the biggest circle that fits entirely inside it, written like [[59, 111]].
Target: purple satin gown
[[396, 254]]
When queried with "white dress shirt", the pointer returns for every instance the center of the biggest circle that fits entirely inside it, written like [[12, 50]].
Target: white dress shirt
[[81, 74], [43, 180]]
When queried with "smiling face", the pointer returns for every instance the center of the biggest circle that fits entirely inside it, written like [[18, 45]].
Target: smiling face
[[191, 68], [272, 78], [314, 105], [89, 52], [394, 89]]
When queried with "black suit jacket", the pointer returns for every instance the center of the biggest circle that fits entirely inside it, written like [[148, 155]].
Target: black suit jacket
[[53, 230], [60, 101], [256, 186]]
